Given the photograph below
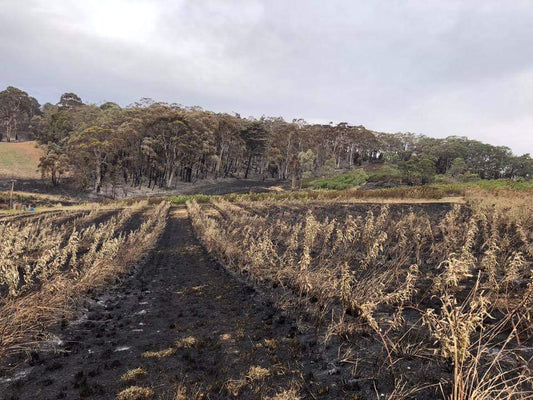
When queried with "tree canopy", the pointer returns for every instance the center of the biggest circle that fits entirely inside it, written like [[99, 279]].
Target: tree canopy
[[156, 144], [17, 109]]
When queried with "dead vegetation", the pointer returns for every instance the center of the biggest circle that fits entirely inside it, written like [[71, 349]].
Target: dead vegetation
[[420, 305], [136, 393], [45, 266], [133, 375]]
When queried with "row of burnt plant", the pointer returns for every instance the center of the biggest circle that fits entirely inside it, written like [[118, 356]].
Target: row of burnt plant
[[440, 305], [49, 262]]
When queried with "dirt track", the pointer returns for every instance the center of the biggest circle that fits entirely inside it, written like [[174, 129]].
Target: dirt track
[[178, 293]]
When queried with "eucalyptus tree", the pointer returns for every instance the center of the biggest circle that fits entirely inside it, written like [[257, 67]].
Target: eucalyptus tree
[[16, 108], [255, 136]]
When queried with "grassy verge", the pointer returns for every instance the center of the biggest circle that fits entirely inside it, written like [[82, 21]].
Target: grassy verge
[[432, 192], [388, 175], [400, 193], [493, 185]]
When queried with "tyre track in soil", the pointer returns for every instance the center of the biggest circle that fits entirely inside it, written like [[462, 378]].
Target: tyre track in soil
[[179, 292]]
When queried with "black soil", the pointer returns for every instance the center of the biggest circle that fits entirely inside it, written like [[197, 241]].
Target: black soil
[[178, 293], [71, 194], [235, 186]]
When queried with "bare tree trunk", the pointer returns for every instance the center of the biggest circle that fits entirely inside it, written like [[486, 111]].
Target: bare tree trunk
[[9, 128], [171, 177], [219, 161], [98, 181], [248, 166], [287, 155], [15, 128]]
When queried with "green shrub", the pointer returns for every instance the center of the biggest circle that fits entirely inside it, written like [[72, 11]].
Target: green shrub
[[387, 174], [443, 179], [339, 182], [468, 177]]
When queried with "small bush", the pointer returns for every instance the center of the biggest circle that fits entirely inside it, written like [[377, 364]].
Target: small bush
[[386, 175], [339, 182]]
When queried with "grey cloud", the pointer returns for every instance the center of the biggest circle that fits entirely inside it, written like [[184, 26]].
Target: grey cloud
[[438, 68]]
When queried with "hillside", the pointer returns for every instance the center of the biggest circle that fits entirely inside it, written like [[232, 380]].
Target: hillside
[[19, 160]]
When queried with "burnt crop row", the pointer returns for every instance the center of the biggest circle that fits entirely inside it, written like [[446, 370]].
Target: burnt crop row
[[421, 300], [45, 266]]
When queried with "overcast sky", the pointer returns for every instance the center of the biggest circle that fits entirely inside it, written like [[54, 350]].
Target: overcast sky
[[434, 67]]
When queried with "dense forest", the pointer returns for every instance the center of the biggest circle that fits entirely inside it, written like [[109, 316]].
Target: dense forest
[[152, 144]]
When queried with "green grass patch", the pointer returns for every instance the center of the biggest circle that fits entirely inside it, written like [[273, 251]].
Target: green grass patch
[[339, 182], [488, 185], [422, 192], [200, 198], [404, 192]]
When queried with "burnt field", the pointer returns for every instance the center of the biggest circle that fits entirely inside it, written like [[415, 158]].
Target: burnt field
[[269, 299], [410, 301], [49, 260]]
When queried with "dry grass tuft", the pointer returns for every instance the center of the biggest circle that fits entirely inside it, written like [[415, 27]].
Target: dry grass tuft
[[184, 393], [289, 394], [271, 344], [159, 354], [136, 393], [133, 375], [186, 343], [257, 373]]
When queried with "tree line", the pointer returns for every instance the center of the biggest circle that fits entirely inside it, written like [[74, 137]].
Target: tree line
[[158, 144]]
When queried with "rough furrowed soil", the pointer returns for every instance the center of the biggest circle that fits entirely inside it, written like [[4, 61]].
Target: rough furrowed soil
[[188, 325]]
